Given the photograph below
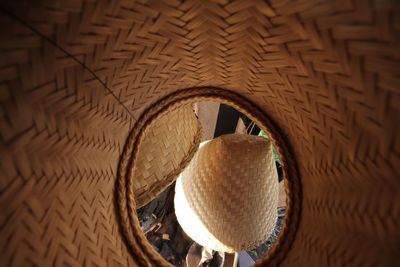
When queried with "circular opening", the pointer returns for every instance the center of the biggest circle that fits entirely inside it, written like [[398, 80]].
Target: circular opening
[[158, 218], [130, 224]]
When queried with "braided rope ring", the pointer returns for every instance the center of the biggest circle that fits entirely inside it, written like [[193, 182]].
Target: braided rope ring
[[139, 247]]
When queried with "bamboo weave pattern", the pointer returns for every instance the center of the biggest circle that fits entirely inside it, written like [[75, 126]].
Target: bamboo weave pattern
[[327, 72]]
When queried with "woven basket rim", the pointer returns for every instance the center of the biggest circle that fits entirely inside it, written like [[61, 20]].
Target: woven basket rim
[[130, 228]]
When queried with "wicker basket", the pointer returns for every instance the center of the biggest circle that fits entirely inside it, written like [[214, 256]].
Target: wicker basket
[[82, 81], [166, 149], [226, 199]]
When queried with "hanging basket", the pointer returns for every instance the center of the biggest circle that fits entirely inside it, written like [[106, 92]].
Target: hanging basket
[[166, 149], [226, 199]]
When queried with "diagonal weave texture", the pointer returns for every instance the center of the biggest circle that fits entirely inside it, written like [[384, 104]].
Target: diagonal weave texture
[[168, 144], [326, 72], [227, 197]]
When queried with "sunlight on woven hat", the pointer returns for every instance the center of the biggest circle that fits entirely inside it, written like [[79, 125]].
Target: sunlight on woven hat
[[227, 197]]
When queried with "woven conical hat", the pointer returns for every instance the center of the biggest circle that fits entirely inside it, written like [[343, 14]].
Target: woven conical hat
[[227, 197], [166, 148]]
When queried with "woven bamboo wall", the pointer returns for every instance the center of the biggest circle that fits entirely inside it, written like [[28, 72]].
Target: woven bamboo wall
[[327, 72]]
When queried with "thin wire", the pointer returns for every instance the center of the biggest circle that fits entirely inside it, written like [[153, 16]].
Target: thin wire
[[249, 126], [51, 41]]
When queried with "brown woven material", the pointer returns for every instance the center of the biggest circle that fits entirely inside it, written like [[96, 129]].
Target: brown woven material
[[126, 199], [226, 199], [167, 143], [76, 75], [125, 195]]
